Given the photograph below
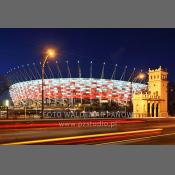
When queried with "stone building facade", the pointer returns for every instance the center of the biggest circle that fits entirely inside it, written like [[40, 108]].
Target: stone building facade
[[154, 102]]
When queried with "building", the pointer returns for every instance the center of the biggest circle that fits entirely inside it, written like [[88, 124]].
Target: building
[[65, 90], [72, 91], [153, 102]]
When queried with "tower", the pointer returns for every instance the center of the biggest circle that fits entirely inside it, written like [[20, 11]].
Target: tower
[[153, 103], [157, 88]]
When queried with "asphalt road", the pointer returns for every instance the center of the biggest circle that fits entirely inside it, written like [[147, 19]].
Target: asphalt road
[[132, 132]]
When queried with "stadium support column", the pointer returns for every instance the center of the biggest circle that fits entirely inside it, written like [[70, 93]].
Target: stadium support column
[[91, 82], [131, 96], [113, 78], [43, 90]]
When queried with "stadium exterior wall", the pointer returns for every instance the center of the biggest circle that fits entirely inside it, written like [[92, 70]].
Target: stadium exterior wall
[[29, 92]]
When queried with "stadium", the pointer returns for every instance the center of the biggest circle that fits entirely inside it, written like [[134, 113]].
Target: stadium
[[26, 88]]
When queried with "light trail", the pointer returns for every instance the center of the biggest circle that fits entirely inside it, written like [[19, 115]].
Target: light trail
[[66, 123], [135, 140], [91, 136]]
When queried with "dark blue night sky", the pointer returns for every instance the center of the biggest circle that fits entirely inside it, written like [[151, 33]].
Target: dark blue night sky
[[140, 48]]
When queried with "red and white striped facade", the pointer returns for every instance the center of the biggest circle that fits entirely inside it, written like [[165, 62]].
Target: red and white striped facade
[[74, 88]]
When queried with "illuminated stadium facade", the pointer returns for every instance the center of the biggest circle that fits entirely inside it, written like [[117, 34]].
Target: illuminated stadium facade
[[26, 88], [59, 91]]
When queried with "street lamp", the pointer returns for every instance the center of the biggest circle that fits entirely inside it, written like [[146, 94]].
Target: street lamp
[[50, 53], [140, 76], [7, 104]]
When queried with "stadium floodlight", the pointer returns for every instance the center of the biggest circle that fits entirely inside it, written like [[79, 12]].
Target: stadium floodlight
[[50, 53], [141, 76]]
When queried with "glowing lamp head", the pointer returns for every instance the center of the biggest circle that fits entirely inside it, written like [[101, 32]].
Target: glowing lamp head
[[51, 53], [6, 103], [141, 76]]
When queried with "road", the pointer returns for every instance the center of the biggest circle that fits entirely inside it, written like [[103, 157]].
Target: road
[[129, 132]]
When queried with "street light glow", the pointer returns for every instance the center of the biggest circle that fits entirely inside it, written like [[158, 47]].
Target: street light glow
[[141, 76], [6, 103], [51, 53]]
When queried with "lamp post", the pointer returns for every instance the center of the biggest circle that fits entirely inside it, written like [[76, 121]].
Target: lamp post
[[50, 53], [7, 103], [140, 76]]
